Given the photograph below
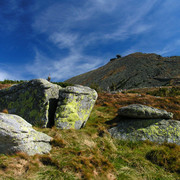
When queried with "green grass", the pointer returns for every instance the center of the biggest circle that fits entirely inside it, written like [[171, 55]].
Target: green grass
[[6, 81], [91, 153]]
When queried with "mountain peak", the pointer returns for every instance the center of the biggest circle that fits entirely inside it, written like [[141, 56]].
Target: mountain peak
[[135, 70]]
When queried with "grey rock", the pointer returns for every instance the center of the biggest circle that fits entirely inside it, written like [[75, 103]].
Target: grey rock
[[75, 106], [145, 112], [31, 100], [17, 135], [156, 130], [44, 104]]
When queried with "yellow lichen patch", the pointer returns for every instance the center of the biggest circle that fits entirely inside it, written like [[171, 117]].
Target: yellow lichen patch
[[72, 110]]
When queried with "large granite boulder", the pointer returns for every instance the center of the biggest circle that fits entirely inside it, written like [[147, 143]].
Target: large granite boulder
[[74, 106], [156, 130], [45, 104], [17, 135], [31, 100], [145, 112]]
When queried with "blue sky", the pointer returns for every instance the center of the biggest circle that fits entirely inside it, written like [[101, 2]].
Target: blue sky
[[65, 38]]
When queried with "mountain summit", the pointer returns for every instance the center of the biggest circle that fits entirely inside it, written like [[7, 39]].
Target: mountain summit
[[136, 70]]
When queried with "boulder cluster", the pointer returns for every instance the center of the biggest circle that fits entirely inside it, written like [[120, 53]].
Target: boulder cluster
[[140, 122], [43, 104]]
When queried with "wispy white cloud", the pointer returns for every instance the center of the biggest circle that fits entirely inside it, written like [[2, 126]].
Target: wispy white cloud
[[171, 48], [162, 36], [64, 40], [62, 68], [58, 20], [75, 27], [5, 75]]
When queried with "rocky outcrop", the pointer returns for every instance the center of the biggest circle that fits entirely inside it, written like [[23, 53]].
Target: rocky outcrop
[[17, 135], [74, 106], [142, 111], [148, 124], [45, 104]]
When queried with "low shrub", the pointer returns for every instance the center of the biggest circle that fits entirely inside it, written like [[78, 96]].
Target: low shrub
[[7, 81], [96, 87], [166, 92]]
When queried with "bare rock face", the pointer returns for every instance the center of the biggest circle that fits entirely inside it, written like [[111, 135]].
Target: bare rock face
[[17, 135], [45, 104], [145, 112]]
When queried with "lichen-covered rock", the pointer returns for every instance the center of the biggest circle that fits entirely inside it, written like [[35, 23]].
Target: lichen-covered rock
[[154, 130], [45, 104], [74, 106], [145, 112], [17, 135], [34, 101]]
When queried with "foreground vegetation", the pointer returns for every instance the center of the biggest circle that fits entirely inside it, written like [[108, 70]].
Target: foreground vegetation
[[90, 153]]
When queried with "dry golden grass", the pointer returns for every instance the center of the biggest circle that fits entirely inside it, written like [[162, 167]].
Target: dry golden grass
[[116, 101]]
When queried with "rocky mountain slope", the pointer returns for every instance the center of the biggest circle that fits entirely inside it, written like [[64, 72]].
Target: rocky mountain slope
[[133, 71]]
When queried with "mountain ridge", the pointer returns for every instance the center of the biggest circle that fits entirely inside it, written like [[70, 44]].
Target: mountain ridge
[[135, 70]]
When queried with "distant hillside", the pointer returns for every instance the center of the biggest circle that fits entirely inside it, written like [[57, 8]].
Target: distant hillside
[[133, 71]]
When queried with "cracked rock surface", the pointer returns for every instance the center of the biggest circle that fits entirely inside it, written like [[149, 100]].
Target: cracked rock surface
[[17, 135], [44, 104], [75, 106]]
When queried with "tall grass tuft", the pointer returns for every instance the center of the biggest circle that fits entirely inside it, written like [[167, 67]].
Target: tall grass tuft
[[167, 156]]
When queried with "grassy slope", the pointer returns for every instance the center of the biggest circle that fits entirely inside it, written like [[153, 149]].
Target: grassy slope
[[90, 153]]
